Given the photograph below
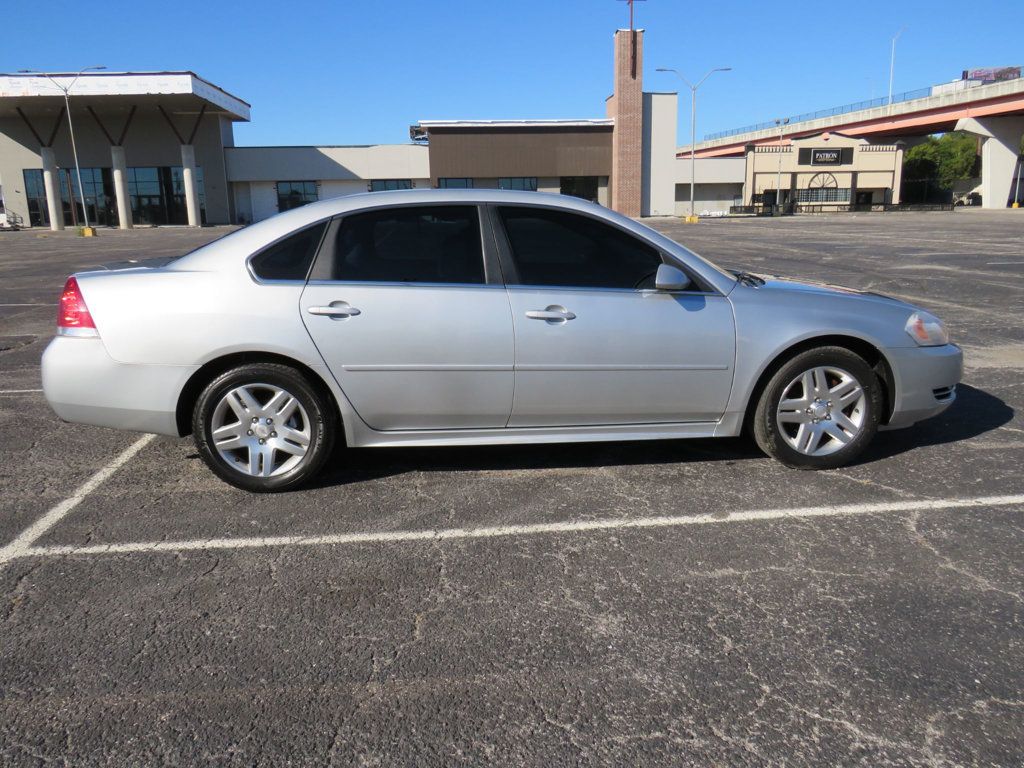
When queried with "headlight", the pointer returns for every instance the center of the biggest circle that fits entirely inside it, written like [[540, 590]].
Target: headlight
[[926, 329]]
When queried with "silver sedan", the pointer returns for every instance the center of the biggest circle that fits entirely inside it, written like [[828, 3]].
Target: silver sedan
[[473, 317]]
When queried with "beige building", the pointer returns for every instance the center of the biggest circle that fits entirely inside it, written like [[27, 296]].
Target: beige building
[[826, 172], [266, 180], [150, 149], [829, 171]]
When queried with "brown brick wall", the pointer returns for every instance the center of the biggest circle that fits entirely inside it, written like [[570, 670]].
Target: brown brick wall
[[528, 151], [627, 108]]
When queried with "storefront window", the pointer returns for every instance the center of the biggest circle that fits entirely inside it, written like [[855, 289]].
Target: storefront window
[[580, 186], [522, 183], [455, 183], [823, 195], [157, 195], [99, 197], [390, 185], [293, 194], [38, 216]]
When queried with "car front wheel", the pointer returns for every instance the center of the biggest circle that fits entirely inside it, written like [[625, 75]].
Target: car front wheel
[[820, 410], [263, 428]]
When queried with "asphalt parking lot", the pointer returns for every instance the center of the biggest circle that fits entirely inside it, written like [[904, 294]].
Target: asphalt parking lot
[[674, 603]]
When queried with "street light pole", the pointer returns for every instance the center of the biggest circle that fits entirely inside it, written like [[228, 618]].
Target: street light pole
[[892, 63], [781, 122], [693, 130], [71, 127]]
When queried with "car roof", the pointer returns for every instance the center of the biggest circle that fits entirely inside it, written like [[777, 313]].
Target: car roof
[[262, 233], [226, 251], [337, 205]]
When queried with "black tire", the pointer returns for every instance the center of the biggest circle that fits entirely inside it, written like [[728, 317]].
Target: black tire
[[771, 436], [322, 426]]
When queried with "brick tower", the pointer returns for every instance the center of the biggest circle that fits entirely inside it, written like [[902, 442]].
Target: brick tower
[[626, 108]]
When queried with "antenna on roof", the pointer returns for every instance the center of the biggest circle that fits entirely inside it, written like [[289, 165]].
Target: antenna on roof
[[631, 25]]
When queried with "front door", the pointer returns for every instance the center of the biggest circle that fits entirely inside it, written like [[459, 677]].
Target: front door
[[402, 311], [595, 343]]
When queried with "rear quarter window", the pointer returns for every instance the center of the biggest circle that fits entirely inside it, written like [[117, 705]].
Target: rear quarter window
[[290, 258]]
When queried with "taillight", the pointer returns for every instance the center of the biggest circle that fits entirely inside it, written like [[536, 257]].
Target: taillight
[[73, 318]]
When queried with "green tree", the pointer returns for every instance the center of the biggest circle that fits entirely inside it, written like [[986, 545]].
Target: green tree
[[944, 160]]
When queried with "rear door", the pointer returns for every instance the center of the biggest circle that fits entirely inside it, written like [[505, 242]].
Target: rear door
[[595, 342], [412, 322]]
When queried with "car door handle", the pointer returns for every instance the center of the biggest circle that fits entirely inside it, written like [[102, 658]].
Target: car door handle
[[336, 309], [553, 314]]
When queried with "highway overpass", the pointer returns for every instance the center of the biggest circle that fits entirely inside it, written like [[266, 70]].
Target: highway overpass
[[995, 112]]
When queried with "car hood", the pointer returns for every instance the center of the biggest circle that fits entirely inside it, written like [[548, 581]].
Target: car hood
[[789, 285]]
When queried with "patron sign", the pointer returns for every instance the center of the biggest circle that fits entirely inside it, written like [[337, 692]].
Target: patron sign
[[836, 156], [826, 156]]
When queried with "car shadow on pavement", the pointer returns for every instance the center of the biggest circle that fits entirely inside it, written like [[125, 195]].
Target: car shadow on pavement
[[350, 466], [974, 413]]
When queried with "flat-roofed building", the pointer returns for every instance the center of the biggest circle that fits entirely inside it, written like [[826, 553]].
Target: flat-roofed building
[[157, 148], [623, 160], [267, 180], [150, 147]]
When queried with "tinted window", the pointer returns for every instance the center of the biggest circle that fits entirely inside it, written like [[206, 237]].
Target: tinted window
[[293, 194], [432, 244], [523, 183], [389, 185], [559, 248], [290, 258]]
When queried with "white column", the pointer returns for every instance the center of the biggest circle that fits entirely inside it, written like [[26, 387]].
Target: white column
[[188, 174], [51, 182], [119, 168], [897, 175], [748, 176], [998, 155]]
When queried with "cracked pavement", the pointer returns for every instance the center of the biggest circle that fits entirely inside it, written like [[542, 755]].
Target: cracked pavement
[[888, 638]]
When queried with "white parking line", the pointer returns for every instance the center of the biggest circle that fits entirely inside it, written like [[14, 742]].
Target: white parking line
[[23, 544], [18, 391], [28, 305], [579, 526]]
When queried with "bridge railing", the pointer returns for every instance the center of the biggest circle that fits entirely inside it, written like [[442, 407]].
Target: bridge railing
[[919, 93]]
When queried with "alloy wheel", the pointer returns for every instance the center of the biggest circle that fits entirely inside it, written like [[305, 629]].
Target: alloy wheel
[[260, 430], [821, 411]]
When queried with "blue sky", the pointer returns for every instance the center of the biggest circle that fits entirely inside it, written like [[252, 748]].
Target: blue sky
[[361, 72]]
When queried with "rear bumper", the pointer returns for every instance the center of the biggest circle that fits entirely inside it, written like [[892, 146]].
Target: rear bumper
[[83, 384], [926, 379]]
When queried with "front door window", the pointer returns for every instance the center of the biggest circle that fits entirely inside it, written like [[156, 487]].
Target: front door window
[[558, 248]]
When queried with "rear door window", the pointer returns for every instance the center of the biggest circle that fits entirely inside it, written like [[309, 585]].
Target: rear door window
[[408, 244]]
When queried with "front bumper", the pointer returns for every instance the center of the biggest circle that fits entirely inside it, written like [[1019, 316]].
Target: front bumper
[[925, 382], [83, 384]]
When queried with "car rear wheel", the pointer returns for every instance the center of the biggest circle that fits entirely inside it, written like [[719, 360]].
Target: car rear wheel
[[820, 410], [263, 428]]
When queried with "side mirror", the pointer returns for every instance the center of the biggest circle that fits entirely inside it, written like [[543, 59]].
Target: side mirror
[[671, 278]]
